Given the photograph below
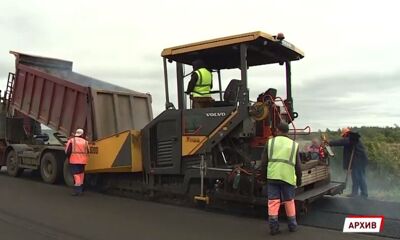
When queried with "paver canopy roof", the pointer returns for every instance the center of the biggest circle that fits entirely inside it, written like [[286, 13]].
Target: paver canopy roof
[[224, 53]]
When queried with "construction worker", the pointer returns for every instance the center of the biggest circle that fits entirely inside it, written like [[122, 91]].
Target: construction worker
[[77, 150], [200, 85], [282, 165], [313, 150], [355, 160]]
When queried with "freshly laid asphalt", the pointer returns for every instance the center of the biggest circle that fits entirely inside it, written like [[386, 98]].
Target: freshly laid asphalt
[[33, 210]]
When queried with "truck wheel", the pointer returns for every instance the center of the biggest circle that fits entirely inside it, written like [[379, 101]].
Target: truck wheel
[[13, 168], [68, 178], [50, 168]]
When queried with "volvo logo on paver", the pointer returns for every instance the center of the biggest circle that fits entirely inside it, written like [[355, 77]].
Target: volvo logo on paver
[[216, 114]]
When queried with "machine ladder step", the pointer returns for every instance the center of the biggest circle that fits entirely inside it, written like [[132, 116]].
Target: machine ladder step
[[8, 94]]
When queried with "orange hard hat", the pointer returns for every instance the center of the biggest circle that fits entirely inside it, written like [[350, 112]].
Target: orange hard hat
[[345, 131]]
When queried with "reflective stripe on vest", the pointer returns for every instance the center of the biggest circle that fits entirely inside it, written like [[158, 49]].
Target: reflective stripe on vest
[[203, 84], [282, 159], [79, 153]]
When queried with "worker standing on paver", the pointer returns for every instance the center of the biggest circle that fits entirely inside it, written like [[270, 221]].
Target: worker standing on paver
[[281, 162], [314, 149], [355, 160], [77, 151], [200, 85]]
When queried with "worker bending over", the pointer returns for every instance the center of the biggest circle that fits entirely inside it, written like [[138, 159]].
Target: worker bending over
[[77, 151], [355, 160], [200, 85], [282, 165]]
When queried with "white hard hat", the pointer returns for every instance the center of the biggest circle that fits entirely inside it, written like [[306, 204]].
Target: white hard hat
[[79, 132]]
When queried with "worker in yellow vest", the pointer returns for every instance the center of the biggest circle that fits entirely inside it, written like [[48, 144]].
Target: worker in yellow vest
[[200, 85], [281, 163], [77, 151]]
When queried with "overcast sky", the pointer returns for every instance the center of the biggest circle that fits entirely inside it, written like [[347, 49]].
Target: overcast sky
[[349, 76]]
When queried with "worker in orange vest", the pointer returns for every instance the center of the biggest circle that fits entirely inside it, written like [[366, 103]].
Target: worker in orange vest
[[77, 151]]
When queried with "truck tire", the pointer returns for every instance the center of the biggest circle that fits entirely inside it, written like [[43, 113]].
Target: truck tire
[[13, 168], [50, 168], [68, 178]]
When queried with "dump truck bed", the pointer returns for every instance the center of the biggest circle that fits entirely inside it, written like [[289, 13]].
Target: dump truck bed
[[48, 91]]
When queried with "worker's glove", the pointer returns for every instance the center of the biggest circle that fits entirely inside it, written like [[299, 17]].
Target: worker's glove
[[298, 182]]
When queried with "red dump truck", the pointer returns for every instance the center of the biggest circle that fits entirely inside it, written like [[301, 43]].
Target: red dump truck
[[45, 91]]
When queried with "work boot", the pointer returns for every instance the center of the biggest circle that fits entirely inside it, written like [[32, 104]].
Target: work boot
[[351, 195], [80, 190], [292, 225], [74, 194], [364, 196], [77, 191], [273, 226]]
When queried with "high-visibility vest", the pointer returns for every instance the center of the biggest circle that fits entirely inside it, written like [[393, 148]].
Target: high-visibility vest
[[80, 150], [282, 159], [203, 84]]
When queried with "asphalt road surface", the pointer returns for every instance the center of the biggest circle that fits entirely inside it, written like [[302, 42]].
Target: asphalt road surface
[[33, 210]]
